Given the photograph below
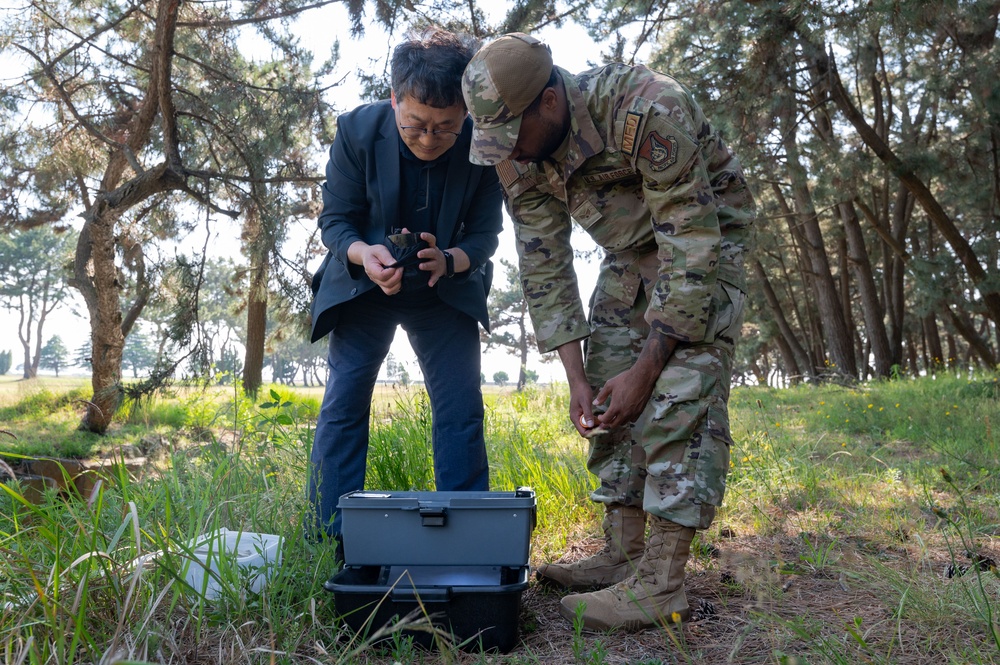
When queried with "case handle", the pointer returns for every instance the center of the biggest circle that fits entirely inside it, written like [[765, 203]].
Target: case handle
[[433, 516], [428, 595]]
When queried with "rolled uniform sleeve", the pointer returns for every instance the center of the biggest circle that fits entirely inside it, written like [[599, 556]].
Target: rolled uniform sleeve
[[542, 229]]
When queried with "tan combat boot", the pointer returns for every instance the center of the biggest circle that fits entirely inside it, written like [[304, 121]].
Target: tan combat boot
[[653, 595], [624, 538]]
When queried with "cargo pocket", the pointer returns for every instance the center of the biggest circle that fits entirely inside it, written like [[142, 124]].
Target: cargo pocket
[[725, 319], [687, 438]]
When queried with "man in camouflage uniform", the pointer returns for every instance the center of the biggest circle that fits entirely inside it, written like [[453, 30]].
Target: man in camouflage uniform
[[629, 155]]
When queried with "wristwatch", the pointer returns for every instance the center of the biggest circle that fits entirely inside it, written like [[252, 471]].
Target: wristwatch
[[449, 263]]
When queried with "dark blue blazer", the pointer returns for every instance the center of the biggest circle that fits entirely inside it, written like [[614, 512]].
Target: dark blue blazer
[[361, 202]]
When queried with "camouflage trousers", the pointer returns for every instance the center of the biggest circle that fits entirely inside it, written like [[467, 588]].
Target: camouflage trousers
[[674, 459]]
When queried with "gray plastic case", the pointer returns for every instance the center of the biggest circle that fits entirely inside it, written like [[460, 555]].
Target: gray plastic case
[[389, 528]]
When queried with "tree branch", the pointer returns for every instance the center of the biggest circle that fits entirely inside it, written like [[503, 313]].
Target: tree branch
[[253, 19], [963, 250], [84, 122]]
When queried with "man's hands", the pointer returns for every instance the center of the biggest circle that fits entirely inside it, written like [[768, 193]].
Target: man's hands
[[376, 259], [626, 394], [432, 259], [581, 396]]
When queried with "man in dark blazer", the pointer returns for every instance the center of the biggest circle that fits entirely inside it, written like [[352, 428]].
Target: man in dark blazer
[[401, 165]]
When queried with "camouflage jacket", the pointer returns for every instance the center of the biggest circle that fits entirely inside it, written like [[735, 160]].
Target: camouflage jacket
[[651, 181]]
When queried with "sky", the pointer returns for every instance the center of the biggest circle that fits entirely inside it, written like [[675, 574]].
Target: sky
[[571, 48]]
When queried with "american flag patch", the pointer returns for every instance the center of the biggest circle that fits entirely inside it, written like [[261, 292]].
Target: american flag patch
[[507, 173]]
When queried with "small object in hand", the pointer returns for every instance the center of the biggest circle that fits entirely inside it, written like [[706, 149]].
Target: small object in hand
[[592, 431], [404, 248]]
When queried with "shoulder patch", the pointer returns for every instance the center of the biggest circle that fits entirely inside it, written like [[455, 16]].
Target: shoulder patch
[[661, 151], [507, 173], [632, 121]]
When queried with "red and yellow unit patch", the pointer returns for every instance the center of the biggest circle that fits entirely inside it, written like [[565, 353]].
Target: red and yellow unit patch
[[661, 152]]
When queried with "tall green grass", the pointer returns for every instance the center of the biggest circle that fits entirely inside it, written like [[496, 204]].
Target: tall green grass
[[881, 490], [99, 578]]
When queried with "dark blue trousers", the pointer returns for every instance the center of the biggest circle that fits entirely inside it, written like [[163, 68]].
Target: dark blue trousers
[[446, 343]]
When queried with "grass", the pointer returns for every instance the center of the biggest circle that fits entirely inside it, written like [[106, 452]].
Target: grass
[[860, 525]]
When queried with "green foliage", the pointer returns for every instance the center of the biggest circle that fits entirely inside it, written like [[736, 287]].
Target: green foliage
[[399, 450], [500, 378], [811, 501], [82, 356], [253, 484], [510, 325], [136, 535], [764, 73], [139, 354], [159, 412], [38, 404], [33, 280], [54, 355], [6, 361]]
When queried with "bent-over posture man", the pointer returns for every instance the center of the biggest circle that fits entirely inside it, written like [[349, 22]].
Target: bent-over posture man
[[628, 154]]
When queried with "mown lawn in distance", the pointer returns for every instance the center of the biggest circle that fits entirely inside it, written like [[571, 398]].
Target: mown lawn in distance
[[860, 525]]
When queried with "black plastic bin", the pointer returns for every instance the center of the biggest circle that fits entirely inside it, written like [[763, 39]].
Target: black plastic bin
[[459, 559], [479, 613]]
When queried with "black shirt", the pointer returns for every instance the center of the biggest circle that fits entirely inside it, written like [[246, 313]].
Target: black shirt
[[421, 190]]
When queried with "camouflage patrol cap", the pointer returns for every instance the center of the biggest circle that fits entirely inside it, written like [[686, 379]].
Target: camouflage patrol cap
[[502, 80]]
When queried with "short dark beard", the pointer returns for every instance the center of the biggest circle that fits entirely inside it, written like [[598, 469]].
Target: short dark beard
[[554, 136]]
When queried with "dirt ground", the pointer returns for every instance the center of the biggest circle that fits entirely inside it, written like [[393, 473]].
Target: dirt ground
[[750, 599]]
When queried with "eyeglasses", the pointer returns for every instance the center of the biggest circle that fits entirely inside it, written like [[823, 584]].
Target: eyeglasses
[[413, 132]]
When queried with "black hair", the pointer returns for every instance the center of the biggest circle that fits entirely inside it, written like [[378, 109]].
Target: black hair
[[428, 67], [553, 81]]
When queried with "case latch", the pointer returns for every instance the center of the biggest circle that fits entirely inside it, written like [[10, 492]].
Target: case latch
[[431, 516]]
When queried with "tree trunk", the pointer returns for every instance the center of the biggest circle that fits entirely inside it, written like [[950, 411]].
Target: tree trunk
[[95, 272], [797, 360], [837, 336], [28, 369], [794, 373], [811, 330], [253, 362], [844, 283], [952, 352], [896, 302], [107, 340], [933, 341], [259, 240], [871, 308], [967, 330], [522, 377], [911, 354]]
